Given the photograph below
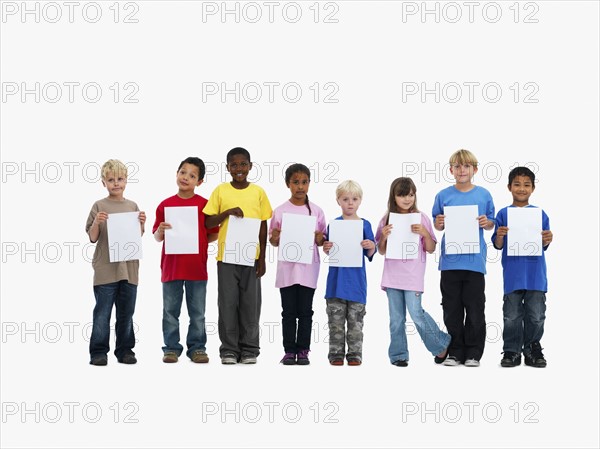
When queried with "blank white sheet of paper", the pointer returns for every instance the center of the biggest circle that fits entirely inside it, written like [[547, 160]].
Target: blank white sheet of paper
[[297, 239], [241, 241], [402, 243], [524, 236], [124, 237], [461, 229], [182, 238], [346, 236]]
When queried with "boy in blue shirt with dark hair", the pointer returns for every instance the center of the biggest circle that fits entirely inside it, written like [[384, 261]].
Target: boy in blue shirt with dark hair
[[525, 282]]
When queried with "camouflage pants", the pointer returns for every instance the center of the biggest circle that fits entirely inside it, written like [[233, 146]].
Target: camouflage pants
[[338, 312]]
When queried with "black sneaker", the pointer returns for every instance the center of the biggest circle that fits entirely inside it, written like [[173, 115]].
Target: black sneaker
[[402, 363], [510, 359], [535, 358], [100, 360], [128, 359]]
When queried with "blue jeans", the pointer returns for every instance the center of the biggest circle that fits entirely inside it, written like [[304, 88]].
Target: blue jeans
[[122, 294], [524, 316], [195, 298], [399, 300]]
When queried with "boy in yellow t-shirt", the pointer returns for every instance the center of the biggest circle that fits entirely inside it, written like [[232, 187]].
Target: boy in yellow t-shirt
[[239, 294]]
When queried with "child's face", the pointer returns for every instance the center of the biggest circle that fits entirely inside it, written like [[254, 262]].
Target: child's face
[[298, 185], [115, 183], [239, 166], [349, 203], [404, 203], [463, 173], [188, 178], [521, 189]]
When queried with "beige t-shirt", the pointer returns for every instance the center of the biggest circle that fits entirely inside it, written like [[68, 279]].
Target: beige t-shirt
[[106, 272]]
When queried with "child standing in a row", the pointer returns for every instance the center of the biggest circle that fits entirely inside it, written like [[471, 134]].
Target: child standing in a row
[[462, 275], [239, 296], [346, 291], [403, 279], [297, 281]]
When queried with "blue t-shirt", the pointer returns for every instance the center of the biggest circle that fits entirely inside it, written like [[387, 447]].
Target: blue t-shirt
[[522, 272], [451, 196], [350, 283]]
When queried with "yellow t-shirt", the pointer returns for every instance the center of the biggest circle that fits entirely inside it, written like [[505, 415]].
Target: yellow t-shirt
[[252, 200]]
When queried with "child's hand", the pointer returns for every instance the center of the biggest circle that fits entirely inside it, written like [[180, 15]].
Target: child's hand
[[502, 231], [484, 222], [368, 244], [100, 217], [327, 247], [387, 230], [275, 233], [164, 226], [439, 222], [546, 237], [261, 267], [419, 229], [142, 217], [319, 238], [236, 211]]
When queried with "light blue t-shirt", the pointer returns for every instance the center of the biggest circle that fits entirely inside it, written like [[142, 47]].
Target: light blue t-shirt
[[350, 283], [522, 272], [451, 196]]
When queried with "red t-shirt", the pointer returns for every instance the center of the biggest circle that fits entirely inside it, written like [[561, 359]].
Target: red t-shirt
[[185, 267]]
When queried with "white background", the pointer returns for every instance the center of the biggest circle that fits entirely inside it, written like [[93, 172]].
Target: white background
[[370, 135]]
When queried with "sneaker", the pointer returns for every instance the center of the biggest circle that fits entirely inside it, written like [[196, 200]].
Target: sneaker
[[472, 363], [440, 358], [170, 357], [199, 357], [128, 359], [229, 358], [101, 360], [400, 363], [303, 357], [289, 358], [535, 358], [451, 361], [336, 362], [248, 359], [510, 359], [354, 361]]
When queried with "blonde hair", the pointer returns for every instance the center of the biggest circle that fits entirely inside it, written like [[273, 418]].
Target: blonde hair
[[114, 166], [348, 186], [463, 157]]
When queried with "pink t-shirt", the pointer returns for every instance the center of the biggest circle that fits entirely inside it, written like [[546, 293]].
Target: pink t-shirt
[[406, 274], [290, 273]]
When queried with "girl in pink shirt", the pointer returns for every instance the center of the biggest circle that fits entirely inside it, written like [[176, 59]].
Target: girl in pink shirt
[[403, 279], [297, 281]]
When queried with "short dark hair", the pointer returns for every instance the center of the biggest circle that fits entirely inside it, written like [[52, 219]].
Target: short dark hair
[[194, 161], [521, 171], [238, 150]]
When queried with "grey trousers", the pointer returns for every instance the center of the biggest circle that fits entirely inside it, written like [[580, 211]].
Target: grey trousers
[[340, 311], [239, 302]]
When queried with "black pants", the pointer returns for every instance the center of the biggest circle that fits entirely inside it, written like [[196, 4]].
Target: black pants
[[296, 303], [463, 293]]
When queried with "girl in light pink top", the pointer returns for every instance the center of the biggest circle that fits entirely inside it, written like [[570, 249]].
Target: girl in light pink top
[[403, 279], [297, 281]]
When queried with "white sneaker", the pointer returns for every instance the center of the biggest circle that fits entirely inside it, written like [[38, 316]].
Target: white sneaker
[[451, 361], [472, 363]]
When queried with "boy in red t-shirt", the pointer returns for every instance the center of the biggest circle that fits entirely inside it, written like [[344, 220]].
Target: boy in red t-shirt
[[189, 270]]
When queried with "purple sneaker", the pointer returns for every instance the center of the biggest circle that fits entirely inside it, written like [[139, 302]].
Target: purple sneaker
[[303, 357], [289, 359]]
